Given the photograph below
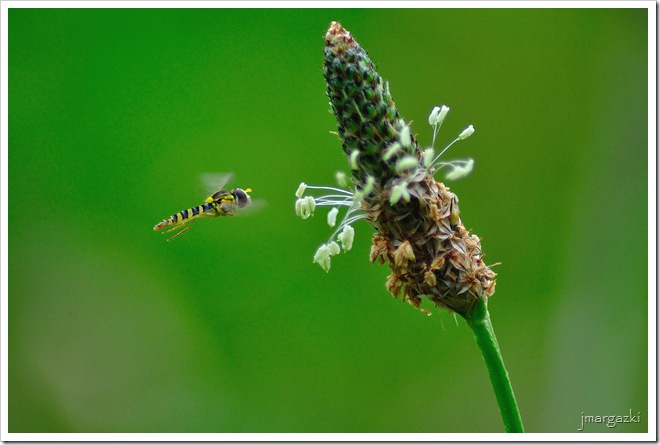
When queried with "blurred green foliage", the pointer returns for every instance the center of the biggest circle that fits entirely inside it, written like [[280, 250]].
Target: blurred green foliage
[[114, 113]]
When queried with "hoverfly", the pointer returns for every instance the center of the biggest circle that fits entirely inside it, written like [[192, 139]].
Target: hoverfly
[[221, 203]]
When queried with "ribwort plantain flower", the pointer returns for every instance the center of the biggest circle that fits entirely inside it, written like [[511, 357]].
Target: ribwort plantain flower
[[419, 232], [418, 228]]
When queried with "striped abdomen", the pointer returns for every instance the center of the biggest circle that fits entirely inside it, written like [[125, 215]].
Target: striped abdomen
[[184, 215]]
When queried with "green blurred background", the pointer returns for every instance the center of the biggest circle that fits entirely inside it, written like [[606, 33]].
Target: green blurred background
[[114, 113]]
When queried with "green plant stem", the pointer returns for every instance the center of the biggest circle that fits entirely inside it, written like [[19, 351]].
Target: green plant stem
[[499, 378]]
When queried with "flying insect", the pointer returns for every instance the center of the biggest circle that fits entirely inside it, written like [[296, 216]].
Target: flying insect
[[221, 203]]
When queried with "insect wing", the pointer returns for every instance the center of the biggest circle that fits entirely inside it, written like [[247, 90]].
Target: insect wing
[[255, 206], [212, 182]]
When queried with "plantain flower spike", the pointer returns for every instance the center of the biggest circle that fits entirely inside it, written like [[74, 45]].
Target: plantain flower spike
[[418, 229]]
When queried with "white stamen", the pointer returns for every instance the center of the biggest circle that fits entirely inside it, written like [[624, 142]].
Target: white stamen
[[466, 133], [437, 122], [341, 178], [334, 189], [322, 257], [332, 216], [301, 190], [428, 157], [444, 150], [369, 186], [433, 116], [305, 207], [405, 137], [441, 116], [334, 248], [353, 159], [406, 163], [346, 237], [400, 192], [460, 171], [391, 151]]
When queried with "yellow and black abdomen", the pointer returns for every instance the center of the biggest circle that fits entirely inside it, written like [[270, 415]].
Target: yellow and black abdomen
[[180, 218]]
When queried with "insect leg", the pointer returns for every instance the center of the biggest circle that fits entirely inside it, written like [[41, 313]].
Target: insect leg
[[182, 231], [177, 226]]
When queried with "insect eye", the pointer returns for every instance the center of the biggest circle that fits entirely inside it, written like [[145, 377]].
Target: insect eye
[[241, 197]]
